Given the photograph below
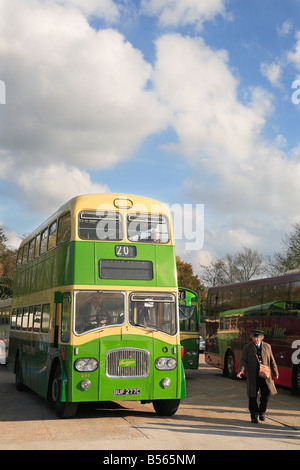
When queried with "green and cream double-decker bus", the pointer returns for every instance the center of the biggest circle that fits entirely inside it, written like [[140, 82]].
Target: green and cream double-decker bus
[[189, 320], [95, 308]]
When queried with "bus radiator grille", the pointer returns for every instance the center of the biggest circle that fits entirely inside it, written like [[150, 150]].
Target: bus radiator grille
[[127, 362]]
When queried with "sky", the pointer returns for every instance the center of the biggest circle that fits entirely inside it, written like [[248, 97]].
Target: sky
[[195, 103]]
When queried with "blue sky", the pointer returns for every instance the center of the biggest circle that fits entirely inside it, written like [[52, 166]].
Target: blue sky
[[185, 101]]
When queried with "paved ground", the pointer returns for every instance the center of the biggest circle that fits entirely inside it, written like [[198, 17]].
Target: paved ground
[[214, 416]]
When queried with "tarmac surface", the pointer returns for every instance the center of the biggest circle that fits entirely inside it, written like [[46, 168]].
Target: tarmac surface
[[214, 416]]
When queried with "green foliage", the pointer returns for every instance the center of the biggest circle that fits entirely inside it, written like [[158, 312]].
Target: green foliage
[[289, 258]]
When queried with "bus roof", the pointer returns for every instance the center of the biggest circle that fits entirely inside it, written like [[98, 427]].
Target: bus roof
[[104, 201], [284, 278]]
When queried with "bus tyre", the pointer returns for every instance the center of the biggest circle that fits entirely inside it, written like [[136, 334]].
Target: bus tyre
[[166, 407], [19, 384], [62, 409], [229, 369]]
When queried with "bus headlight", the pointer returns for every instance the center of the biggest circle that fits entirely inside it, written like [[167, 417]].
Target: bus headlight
[[86, 364], [165, 363]]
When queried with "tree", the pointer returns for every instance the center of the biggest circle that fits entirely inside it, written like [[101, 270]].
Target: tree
[[7, 266], [289, 258], [242, 266], [186, 276]]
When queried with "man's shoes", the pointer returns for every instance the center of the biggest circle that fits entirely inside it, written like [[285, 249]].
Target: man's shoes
[[262, 417], [254, 419]]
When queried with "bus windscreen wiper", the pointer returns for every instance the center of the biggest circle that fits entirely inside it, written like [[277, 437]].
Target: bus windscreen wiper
[[147, 327]]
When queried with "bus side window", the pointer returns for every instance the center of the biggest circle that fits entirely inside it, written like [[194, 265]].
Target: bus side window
[[64, 228], [44, 237], [52, 236], [13, 319], [19, 257], [275, 292], [45, 318], [30, 319], [37, 245], [37, 318], [25, 318], [31, 249], [19, 318], [25, 254], [66, 318]]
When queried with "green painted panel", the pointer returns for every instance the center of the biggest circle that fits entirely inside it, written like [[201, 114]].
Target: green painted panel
[[103, 387], [78, 263]]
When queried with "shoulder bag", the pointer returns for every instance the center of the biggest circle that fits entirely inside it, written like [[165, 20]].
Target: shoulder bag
[[264, 371]]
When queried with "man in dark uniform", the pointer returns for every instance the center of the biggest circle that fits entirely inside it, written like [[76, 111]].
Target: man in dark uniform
[[254, 353]]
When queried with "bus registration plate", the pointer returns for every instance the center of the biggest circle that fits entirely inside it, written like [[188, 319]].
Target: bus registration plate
[[127, 391]]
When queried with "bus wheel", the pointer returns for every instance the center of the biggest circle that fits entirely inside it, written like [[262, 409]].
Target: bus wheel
[[19, 384], [166, 407], [229, 370], [62, 409]]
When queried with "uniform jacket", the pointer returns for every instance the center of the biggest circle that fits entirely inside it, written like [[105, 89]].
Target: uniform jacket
[[250, 362]]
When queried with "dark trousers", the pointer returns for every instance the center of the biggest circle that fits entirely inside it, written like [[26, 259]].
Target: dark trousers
[[254, 409]]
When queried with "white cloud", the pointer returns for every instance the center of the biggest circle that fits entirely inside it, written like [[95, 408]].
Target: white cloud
[[73, 94], [285, 28], [45, 189], [197, 84], [79, 99], [239, 175], [273, 72], [13, 239], [76, 97], [183, 12], [106, 9], [55, 185]]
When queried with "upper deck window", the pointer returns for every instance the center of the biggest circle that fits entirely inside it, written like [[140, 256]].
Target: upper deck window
[[64, 228], [149, 228], [19, 257], [100, 225], [44, 238], [31, 250], [52, 235]]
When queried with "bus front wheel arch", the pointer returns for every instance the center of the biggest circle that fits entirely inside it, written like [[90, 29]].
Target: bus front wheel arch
[[62, 409], [229, 365]]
